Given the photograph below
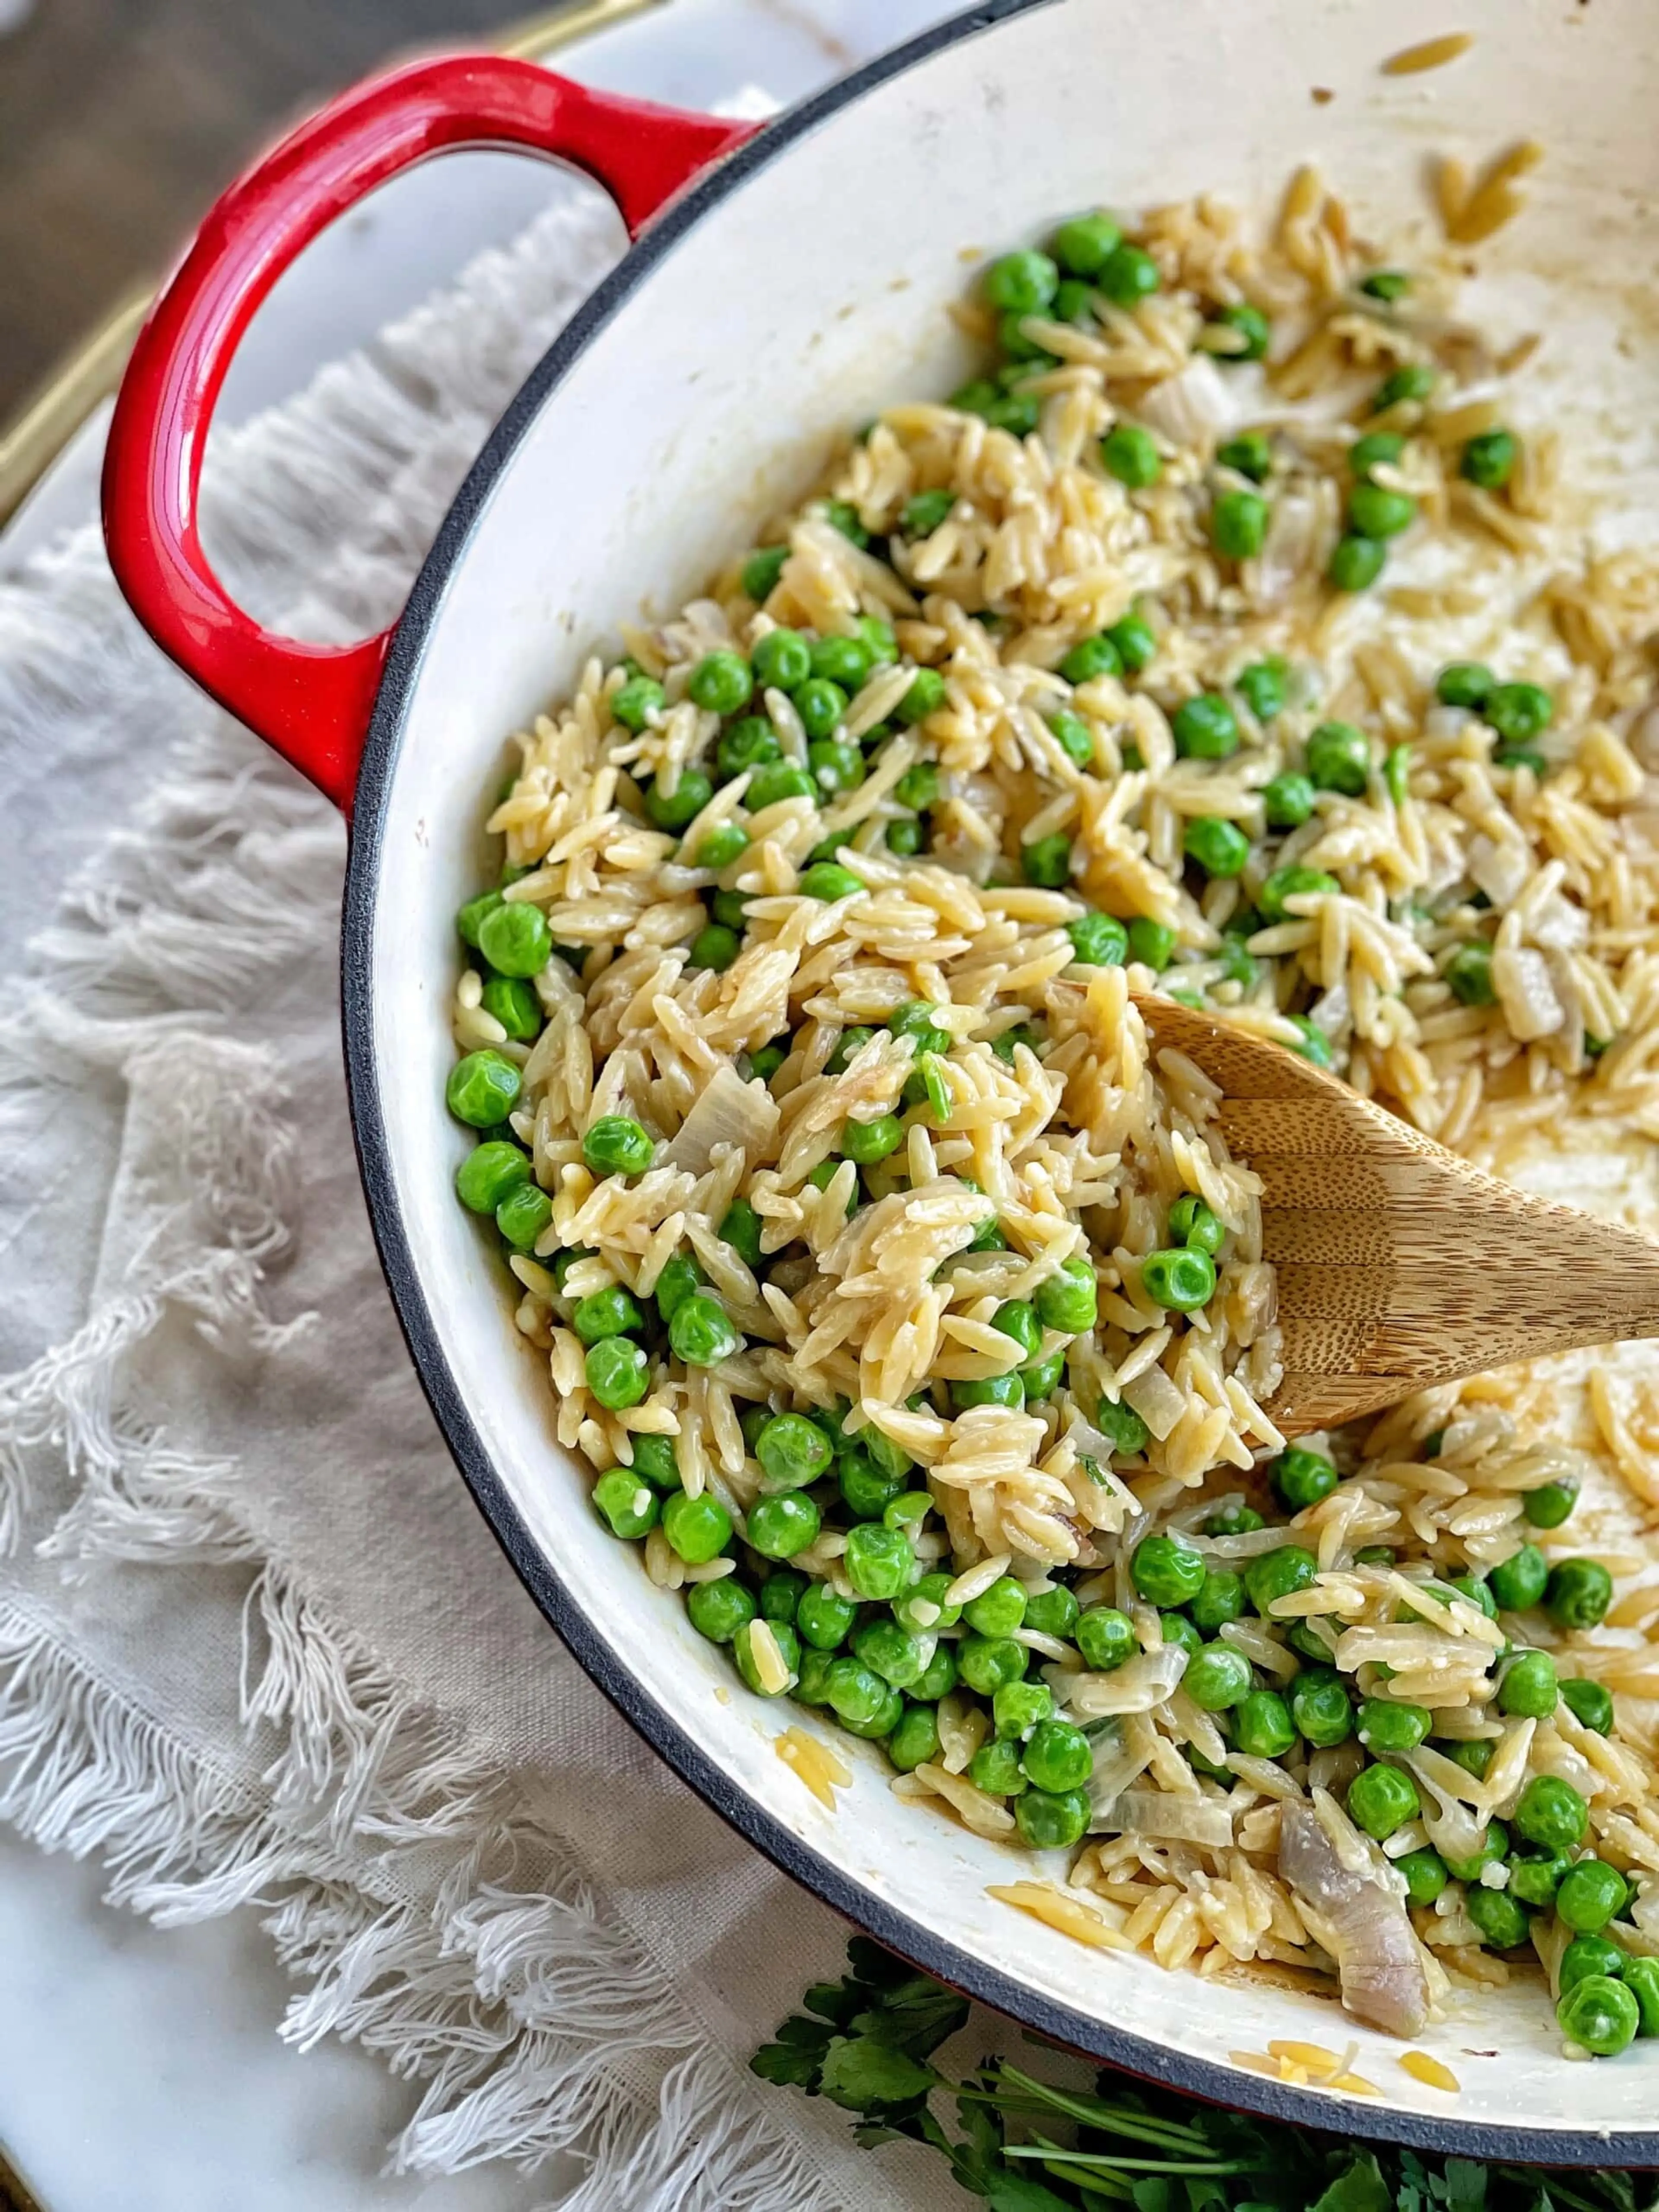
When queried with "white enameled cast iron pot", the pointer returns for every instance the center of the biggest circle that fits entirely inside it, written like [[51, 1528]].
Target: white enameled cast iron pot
[[787, 291]]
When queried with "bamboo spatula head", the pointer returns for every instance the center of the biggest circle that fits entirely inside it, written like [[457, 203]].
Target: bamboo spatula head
[[1398, 1264]]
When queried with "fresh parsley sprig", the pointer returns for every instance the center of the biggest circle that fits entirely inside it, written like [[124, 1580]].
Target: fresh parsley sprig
[[1022, 2144]]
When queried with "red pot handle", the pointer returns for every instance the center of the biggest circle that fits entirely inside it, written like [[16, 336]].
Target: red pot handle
[[312, 702]]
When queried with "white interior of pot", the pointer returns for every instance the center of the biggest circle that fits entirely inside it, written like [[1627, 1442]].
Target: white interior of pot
[[801, 303]]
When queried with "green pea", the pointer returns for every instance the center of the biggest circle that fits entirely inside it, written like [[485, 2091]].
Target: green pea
[[627, 1506], [1426, 1876], [1519, 711], [1527, 757], [514, 1003], [1220, 1598], [1464, 683], [1192, 1222], [1180, 1279], [824, 1618], [1092, 657], [1264, 686], [828, 881], [1488, 458], [1549, 1505], [715, 947], [1500, 1917], [1303, 1478], [977, 397], [1106, 1637], [1357, 563], [690, 796], [1070, 1299], [938, 1677], [1217, 1678], [914, 1742], [1020, 283], [1053, 1612], [722, 845], [1535, 1882], [1248, 333], [1098, 941], [718, 1610], [1018, 1707], [859, 1698], [922, 515], [1376, 449], [698, 1528], [1374, 512], [878, 1561], [1590, 1954], [515, 939], [1166, 1570], [1219, 847], [681, 1276], [1136, 641], [1397, 772], [1415, 380], [1237, 1521], [1288, 801], [1385, 284], [1312, 1640], [904, 838], [994, 1767], [1127, 276], [523, 1215], [1494, 1847], [654, 1461], [843, 660], [1251, 453], [742, 1651], [880, 638], [740, 1228], [1262, 1725], [782, 661], [1641, 1979], [1130, 453], [998, 1611], [1048, 861], [1073, 302], [1151, 942], [925, 697], [866, 1142], [922, 1608], [1529, 1687], [989, 1390], [919, 787], [1590, 1703], [1083, 246], [1339, 758], [761, 571], [618, 1372], [986, 1662], [1474, 1757], [1238, 524], [1204, 728], [483, 1089], [750, 743], [702, 1334], [781, 1594], [1273, 1575], [1058, 1757], [1321, 1709], [1016, 412], [488, 1173], [842, 515], [1017, 1319], [891, 1651], [1381, 1799], [1050, 1822], [617, 1145], [1177, 1629], [636, 702], [1386, 1726], [793, 1451], [609, 1312], [1579, 1592], [1286, 884], [1591, 1893], [1071, 734], [1469, 972], [1518, 1582], [822, 707], [1599, 2014], [469, 917]]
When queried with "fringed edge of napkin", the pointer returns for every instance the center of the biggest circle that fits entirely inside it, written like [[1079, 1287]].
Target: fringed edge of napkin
[[510, 1989]]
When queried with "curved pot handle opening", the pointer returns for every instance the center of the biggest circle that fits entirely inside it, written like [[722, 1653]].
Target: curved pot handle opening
[[312, 702]]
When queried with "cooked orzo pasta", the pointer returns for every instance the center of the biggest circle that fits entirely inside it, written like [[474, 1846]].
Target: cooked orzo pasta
[[1214, 641]]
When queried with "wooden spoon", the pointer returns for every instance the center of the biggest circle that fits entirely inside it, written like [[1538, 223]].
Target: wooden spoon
[[1398, 1264]]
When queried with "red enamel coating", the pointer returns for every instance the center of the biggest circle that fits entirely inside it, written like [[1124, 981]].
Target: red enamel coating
[[312, 702]]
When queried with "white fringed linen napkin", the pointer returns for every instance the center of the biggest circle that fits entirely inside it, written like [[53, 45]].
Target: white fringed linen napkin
[[256, 1644]]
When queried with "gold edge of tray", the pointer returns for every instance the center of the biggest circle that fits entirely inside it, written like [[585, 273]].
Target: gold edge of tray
[[32, 440]]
